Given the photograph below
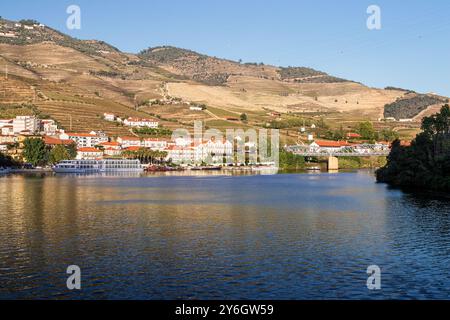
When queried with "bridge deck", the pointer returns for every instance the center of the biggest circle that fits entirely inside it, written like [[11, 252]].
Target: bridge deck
[[369, 151]]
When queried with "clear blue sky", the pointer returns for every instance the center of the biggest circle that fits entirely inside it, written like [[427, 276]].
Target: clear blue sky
[[412, 50]]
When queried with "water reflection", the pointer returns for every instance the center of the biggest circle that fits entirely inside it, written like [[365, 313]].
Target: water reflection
[[257, 237]]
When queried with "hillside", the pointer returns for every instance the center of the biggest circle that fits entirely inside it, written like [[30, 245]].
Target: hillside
[[412, 105], [76, 81]]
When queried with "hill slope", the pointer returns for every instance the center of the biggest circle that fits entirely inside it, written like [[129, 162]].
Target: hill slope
[[75, 81]]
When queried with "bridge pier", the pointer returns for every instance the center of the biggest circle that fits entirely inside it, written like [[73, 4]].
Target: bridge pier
[[333, 163]]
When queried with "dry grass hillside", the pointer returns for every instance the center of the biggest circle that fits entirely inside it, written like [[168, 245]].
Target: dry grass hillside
[[75, 82]]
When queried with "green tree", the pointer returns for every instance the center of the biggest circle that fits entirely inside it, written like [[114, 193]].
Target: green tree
[[366, 130], [244, 117], [290, 161], [426, 163], [72, 150], [60, 153], [388, 135], [35, 151]]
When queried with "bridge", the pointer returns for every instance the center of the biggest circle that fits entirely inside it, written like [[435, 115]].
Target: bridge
[[362, 150]]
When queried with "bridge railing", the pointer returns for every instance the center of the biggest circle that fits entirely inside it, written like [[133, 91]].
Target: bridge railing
[[356, 151]]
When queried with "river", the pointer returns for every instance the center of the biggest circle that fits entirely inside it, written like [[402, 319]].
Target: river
[[286, 236]]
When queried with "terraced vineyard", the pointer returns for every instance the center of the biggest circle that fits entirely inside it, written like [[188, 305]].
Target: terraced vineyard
[[76, 81]]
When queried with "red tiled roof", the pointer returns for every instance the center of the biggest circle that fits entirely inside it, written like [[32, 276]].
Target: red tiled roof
[[89, 150], [112, 144], [80, 135], [353, 135], [55, 141], [133, 148], [332, 144]]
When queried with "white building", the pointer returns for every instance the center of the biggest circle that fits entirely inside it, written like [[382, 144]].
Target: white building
[[127, 142], [7, 130], [6, 122], [215, 151], [136, 122], [111, 148], [109, 116], [84, 140], [182, 155], [26, 123], [155, 144], [89, 154], [184, 152], [49, 127], [8, 139], [8, 34], [195, 108]]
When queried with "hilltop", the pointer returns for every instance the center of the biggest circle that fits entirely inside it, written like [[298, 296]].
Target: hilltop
[[75, 81]]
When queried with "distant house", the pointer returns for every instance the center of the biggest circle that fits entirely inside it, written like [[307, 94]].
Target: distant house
[[126, 142], [109, 116], [352, 135], [26, 123], [5, 122], [89, 154], [155, 144], [84, 140], [136, 122], [8, 34], [49, 127], [8, 139], [195, 108], [8, 130], [328, 146]]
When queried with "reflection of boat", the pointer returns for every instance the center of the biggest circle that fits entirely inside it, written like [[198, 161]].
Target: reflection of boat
[[98, 166], [5, 170], [206, 168], [313, 168]]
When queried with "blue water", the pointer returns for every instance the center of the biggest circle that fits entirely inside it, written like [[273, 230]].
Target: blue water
[[305, 236]]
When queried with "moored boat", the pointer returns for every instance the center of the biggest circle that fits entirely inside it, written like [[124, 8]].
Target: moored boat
[[5, 170], [98, 166]]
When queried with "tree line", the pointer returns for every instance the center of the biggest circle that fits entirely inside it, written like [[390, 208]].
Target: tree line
[[426, 162]]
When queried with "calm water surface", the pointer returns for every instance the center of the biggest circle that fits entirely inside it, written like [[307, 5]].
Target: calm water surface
[[302, 236]]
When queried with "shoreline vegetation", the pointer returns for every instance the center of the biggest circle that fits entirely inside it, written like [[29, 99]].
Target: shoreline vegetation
[[425, 163]]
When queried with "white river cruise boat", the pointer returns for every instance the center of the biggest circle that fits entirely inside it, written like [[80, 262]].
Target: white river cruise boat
[[98, 166]]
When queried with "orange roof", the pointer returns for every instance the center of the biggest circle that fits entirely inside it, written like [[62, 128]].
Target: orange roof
[[55, 141], [111, 144], [89, 150], [353, 135], [332, 144], [81, 135]]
